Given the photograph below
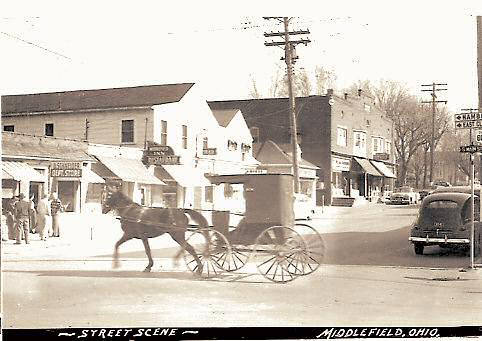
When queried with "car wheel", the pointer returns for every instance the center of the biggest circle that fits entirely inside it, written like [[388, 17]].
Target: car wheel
[[418, 248]]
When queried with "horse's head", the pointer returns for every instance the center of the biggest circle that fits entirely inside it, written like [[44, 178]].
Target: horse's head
[[110, 199]]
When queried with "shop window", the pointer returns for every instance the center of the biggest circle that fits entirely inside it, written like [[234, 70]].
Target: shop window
[[341, 136], [164, 133], [9, 128], [228, 191], [184, 137], [306, 187], [49, 129], [208, 194], [94, 193], [127, 134]]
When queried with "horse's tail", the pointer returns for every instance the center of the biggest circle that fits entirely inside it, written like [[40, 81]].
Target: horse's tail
[[198, 218]]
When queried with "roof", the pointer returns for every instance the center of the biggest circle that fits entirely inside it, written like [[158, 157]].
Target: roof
[[95, 99], [459, 198], [224, 116], [21, 145], [270, 153]]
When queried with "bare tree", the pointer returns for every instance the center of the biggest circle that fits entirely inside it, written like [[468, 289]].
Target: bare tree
[[254, 92], [325, 79]]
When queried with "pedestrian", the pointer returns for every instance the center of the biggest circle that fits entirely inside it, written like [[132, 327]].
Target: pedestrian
[[32, 217], [22, 212], [10, 214], [43, 210], [55, 208]]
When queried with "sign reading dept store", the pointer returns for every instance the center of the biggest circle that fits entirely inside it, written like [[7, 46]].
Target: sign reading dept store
[[64, 169]]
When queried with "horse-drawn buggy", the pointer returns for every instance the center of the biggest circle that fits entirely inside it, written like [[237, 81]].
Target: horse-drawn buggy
[[267, 235]]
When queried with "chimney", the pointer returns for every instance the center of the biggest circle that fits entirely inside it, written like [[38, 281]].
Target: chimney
[[346, 95], [359, 92], [329, 92]]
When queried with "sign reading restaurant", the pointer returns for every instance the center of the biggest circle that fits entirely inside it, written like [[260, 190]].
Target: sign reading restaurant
[[63, 169]]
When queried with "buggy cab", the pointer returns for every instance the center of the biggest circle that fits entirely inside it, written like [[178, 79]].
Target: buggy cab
[[444, 219]]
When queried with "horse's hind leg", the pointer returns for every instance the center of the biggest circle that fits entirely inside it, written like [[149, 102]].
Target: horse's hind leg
[[149, 255], [180, 238], [122, 240]]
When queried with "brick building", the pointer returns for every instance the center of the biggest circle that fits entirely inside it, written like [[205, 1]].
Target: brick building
[[346, 136]]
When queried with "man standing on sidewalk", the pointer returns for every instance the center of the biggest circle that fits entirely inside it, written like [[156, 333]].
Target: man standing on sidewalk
[[22, 214], [43, 210], [55, 209]]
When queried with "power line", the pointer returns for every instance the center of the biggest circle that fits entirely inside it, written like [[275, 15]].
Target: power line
[[36, 45]]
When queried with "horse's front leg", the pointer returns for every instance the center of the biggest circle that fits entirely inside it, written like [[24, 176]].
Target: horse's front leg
[[122, 240], [145, 241], [180, 238]]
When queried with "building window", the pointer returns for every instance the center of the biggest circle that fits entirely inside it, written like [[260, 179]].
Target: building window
[[255, 134], [184, 136], [388, 147], [9, 128], [377, 145], [341, 140], [49, 129], [205, 142], [164, 133], [232, 145], [127, 133], [208, 193], [359, 143]]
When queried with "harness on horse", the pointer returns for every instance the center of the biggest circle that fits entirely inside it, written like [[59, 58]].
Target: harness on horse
[[171, 221]]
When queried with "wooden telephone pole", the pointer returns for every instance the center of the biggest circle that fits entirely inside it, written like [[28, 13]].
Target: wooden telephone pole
[[290, 59]]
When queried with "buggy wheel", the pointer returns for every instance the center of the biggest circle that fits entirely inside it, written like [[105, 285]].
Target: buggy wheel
[[309, 259], [211, 247], [274, 250], [235, 260]]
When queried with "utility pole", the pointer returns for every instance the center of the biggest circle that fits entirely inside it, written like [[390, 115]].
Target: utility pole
[[433, 101], [290, 59]]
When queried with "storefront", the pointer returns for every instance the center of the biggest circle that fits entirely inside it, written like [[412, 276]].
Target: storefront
[[20, 177], [388, 176], [341, 179], [368, 179]]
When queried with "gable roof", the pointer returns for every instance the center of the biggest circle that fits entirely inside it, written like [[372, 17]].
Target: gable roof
[[29, 146], [95, 99], [270, 153], [224, 116]]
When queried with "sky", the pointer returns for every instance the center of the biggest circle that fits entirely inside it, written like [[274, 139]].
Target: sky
[[63, 45]]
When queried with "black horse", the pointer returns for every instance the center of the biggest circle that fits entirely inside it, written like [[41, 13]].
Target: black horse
[[150, 222]]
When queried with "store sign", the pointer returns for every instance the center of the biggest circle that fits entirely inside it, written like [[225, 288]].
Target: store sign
[[381, 156], [63, 169], [340, 165], [209, 151], [159, 155], [306, 173], [256, 171]]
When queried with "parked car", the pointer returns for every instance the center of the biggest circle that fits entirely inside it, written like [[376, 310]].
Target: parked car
[[404, 195], [457, 189], [441, 183], [423, 193], [444, 219]]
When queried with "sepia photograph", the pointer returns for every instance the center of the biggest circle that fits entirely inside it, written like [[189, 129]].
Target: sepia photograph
[[199, 170]]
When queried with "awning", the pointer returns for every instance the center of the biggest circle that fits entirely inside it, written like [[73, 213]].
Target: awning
[[6, 176], [21, 171], [383, 169], [91, 177], [368, 167], [129, 170], [185, 176]]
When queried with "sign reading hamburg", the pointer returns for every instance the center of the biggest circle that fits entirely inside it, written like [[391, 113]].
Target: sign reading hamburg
[[159, 155], [64, 169]]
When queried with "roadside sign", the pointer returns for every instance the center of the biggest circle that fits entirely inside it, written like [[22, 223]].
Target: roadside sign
[[471, 149], [478, 136], [468, 121]]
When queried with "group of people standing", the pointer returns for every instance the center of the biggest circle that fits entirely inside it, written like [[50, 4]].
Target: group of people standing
[[24, 218]]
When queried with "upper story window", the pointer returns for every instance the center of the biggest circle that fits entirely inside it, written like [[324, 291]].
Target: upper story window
[[127, 131], [184, 136], [377, 145], [205, 142], [255, 134], [359, 143], [164, 133], [341, 136], [9, 128], [388, 147], [49, 129]]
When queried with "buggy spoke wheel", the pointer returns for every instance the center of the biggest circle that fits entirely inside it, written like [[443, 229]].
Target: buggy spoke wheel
[[234, 260], [275, 250], [311, 257], [212, 250]]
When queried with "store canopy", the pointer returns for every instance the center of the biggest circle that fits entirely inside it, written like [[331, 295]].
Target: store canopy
[[21, 171], [383, 169], [129, 170], [91, 177], [186, 176], [6, 176], [368, 167]]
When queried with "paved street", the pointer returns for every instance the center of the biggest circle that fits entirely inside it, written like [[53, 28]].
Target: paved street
[[369, 265]]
